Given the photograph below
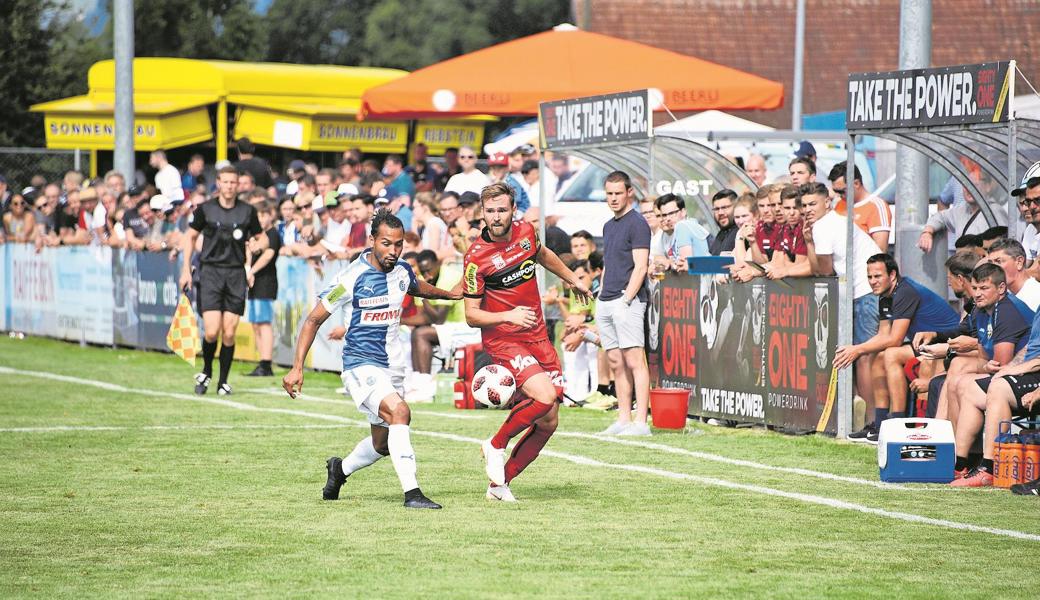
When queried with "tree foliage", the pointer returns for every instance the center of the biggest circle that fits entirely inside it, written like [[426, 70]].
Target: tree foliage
[[45, 51], [43, 56]]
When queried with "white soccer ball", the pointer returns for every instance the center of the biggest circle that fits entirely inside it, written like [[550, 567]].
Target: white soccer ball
[[493, 386]]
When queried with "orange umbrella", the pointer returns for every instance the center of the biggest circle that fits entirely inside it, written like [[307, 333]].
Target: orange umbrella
[[513, 77]]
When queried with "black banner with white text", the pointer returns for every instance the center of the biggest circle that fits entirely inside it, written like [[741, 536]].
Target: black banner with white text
[[759, 352]]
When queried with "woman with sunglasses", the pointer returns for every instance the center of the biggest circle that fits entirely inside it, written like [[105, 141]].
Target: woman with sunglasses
[[19, 223]]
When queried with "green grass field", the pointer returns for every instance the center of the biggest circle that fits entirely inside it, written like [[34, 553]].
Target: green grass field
[[117, 481]]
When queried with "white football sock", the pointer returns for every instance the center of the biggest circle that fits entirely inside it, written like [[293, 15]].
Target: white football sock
[[364, 454], [403, 456]]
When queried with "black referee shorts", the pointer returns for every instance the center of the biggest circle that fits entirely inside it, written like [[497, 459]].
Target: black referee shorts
[[223, 289]]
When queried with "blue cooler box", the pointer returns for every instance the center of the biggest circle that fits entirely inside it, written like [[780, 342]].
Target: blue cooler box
[[920, 450]]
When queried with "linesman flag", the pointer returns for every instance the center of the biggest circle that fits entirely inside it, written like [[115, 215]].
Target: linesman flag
[[183, 337]]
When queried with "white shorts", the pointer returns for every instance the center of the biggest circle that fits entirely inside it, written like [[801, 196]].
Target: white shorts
[[367, 385], [621, 326]]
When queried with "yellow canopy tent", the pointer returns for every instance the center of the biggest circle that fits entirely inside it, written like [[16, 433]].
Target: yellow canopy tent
[[291, 106]]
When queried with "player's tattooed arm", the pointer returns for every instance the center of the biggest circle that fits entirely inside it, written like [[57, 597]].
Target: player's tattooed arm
[[425, 290]]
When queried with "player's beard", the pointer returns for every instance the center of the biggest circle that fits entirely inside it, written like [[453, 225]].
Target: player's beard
[[500, 231]]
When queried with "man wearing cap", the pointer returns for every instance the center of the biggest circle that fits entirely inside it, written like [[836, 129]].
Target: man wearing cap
[[297, 169], [806, 150], [469, 203], [337, 236], [225, 224], [1028, 198], [470, 179]]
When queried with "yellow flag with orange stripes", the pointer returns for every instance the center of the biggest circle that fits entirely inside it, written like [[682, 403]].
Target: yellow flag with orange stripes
[[183, 337]]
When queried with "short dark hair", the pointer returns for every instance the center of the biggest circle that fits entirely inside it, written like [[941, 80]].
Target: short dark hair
[[581, 233], [349, 161], [1012, 248], [724, 193], [245, 146], [809, 164], [596, 260], [962, 263], [410, 255], [993, 233], [385, 217], [813, 188], [578, 263], [840, 170], [495, 190], [989, 271], [307, 179], [247, 174], [968, 240], [427, 256], [451, 149], [791, 191], [616, 176], [666, 198], [395, 158], [528, 166], [887, 260]]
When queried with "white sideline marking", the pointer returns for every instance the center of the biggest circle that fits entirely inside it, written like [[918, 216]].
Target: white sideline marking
[[574, 458], [73, 428], [732, 461], [344, 401]]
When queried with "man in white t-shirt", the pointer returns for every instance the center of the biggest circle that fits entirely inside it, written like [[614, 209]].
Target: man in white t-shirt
[[826, 235], [470, 179], [1011, 256], [167, 177]]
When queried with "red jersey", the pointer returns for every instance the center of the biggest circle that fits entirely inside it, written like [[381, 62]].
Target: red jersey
[[792, 241], [502, 275]]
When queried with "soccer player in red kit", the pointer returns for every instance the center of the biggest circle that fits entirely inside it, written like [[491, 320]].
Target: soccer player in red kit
[[501, 298]]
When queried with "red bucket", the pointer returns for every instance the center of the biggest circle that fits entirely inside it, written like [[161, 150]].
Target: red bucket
[[669, 407]]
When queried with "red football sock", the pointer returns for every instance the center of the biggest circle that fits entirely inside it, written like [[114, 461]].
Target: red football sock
[[523, 415], [526, 450]]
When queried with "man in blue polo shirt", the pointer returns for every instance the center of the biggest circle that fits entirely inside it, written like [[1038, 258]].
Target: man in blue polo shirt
[[905, 308]]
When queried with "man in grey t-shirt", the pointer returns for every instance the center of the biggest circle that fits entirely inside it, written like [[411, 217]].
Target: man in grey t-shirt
[[622, 304]]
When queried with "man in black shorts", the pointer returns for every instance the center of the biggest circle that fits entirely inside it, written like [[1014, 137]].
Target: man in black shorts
[[1012, 391], [225, 224]]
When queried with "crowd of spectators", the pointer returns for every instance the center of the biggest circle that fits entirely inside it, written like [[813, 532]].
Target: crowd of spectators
[[913, 349]]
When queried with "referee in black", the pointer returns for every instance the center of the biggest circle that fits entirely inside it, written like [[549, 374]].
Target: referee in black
[[225, 224]]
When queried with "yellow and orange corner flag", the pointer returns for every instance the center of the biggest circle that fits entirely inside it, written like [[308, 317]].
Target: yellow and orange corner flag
[[183, 337]]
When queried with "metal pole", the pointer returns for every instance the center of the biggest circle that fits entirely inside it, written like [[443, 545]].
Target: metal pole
[[799, 66], [1015, 223], [123, 50], [846, 291], [222, 129], [76, 160], [915, 50]]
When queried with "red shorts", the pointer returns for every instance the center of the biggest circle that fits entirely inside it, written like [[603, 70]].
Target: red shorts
[[528, 359]]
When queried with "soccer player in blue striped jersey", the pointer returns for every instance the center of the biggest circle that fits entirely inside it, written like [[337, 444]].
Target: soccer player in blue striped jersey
[[370, 292]]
